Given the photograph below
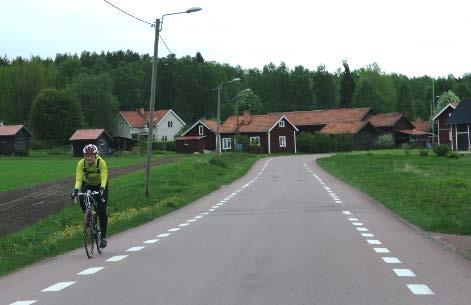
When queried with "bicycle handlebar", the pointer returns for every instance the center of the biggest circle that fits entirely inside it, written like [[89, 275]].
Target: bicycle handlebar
[[86, 193]]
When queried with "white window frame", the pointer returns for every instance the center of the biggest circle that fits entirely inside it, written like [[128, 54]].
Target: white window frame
[[226, 143], [200, 130], [164, 138], [282, 123], [282, 141], [101, 142], [169, 124], [253, 139]]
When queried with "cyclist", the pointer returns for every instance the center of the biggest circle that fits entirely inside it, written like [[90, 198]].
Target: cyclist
[[92, 174]]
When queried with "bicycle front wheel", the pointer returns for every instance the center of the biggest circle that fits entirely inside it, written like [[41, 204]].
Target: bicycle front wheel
[[97, 234], [88, 233]]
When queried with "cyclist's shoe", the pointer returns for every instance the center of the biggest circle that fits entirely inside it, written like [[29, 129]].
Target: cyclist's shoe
[[103, 242]]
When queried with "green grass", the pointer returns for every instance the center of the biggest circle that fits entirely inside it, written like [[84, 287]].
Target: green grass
[[431, 192], [173, 186], [17, 172]]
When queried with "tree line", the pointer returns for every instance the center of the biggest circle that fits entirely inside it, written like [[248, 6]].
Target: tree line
[[99, 85]]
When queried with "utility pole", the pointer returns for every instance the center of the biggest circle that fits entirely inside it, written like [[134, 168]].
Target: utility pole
[[151, 106]]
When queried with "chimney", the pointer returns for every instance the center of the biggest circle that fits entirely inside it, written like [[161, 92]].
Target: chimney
[[247, 117], [141, 111], [1, 123]]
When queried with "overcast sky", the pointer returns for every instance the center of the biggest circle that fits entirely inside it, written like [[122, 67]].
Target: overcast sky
[[411, 37]]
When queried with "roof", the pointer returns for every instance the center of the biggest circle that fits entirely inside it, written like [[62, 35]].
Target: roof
[[452, 105], [87, 134], [11, 130], [137, 119], [190, 138], [462, 113], [345, 127], [321, 117], [258, 123], [385, 120], [422, 125], [414, 132]]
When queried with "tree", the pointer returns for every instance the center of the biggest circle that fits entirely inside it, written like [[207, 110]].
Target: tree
[[199, 58], [445, 99], [347, 87], [248, 100], [404, 99], [55, 115], [325, 88], [367, 95]]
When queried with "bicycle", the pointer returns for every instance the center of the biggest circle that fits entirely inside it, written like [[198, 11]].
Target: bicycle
[[91, 231]]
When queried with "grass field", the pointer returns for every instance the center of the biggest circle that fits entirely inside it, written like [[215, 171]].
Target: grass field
[[24, 171], [173, 186], [431, 192]]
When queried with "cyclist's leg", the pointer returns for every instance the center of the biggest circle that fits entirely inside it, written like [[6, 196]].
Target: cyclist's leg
[[83, 189], [101, 209]]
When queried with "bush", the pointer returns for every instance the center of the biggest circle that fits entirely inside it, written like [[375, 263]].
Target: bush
[[454, 155], [406, 148], [423, 152], [441, 150], [385, 141], [218, 161], [314, 143], [21, 152], [164, 145], [305, 142], [343, 142]]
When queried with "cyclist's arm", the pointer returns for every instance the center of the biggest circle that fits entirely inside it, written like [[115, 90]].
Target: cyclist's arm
[[103, 173], [79, 174]]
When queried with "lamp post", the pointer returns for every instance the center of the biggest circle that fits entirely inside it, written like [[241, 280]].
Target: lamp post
[[158, 27], [218, 134]]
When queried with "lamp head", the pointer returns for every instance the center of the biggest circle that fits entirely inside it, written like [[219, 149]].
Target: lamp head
[[193, 9]]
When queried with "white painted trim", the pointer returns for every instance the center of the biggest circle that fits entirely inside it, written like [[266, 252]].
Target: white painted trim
[[444, 108], [456, 136], [269, 144], [197, 122], [168, 112], [438, 127], [284, 141], [279, 123], [295, 150], [200, 130], [230, 143], [283, 117]]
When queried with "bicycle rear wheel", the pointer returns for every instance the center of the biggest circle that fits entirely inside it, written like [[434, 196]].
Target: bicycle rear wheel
[[88, 234]]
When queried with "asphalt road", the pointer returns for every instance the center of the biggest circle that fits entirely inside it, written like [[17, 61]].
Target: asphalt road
[[287, 233]]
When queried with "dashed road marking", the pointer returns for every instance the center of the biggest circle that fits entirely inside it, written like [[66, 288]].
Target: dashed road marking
[[357, 223], [391, 260], [404, 272], [419, 289], [198, 217], [90, 270], [184, 224], [175, 229], [164, 235], [367, 235], [135, 249], [353, 219], [381, 250], [362, 229], [58, 287], [151, 241], [116, 258], [346, 212], [373, 242], [29, 302]]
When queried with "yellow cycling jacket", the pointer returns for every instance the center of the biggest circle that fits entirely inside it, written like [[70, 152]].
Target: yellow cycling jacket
[[93, 174]]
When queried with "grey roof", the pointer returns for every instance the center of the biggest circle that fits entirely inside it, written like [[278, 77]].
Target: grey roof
[[462, 113]]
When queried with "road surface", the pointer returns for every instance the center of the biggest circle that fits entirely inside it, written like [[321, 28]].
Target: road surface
[[286, 233]]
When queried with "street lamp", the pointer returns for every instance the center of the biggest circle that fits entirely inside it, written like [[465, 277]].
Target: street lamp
[[158, 27], [218, 134]]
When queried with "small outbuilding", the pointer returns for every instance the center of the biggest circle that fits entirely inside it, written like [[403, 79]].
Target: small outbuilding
[[460, 125], [99, 137], [13, 138]]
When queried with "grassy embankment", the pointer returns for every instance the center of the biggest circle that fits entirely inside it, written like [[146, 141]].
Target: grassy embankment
[[173, 186], [431, 192], [19, 172]]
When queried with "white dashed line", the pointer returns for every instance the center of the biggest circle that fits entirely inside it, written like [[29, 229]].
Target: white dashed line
[[362, 229], [347, 212], [24, 302], [391, 260], [90, 271], [353, 219], [151, 241], [367, 235], [211, 210], [183, 224], [198, 217], [205, 213], [233, 194], [215, 207], [373, 242], [58, 286], [175, 229], [404, 272], [192, 220], [116, 258], [164, 235], [419, 289], [357, 223], [134, 249], [381, 250], [222, 201]]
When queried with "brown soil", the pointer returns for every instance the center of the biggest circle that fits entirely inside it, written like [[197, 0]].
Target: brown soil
[[22, 207]]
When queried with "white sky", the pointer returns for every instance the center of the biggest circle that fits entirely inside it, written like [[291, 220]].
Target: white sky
[[411, 37]]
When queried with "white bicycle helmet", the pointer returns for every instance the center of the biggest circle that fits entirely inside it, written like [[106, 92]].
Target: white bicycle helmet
[[90, 149]]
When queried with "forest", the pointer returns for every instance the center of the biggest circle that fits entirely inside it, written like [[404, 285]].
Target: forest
[[98, 85]]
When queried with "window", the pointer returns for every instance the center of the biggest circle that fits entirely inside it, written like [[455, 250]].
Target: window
[[282, 123], [164, 138], [170, 124], [282, 140], [101, 142], [186, 144], [201, 130], [226, 143], [255, 141]]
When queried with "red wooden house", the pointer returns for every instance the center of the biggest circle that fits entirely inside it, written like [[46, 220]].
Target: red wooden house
[[460, 125], [443, 129], [13, 138]]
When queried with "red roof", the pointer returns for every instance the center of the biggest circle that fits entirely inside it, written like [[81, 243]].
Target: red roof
[[415, 132], [344, 127], [321, 117], [385, 120], [10, 130], [211, 124], [87, 134], [422, 125], [138, 117], [190, 138], [256, 123]]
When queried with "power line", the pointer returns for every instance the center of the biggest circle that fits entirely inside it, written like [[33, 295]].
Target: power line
[[165, 44], [128, 13]]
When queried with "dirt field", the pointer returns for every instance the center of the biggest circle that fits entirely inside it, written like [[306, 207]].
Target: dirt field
[[22, 207]]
